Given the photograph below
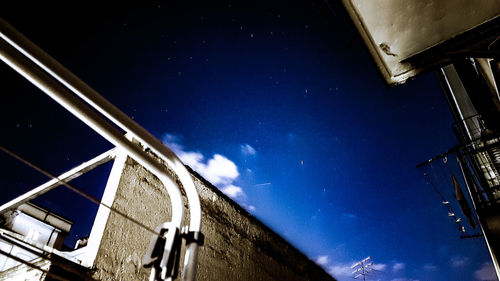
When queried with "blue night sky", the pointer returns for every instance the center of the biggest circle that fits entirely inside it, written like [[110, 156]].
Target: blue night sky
[[277, 103]]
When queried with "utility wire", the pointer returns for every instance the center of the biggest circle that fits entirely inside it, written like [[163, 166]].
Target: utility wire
[[327, 3], [450, 173], [426, 174], [446, 203], [472, 217], [434, 173], [77, 190], [447, 176]]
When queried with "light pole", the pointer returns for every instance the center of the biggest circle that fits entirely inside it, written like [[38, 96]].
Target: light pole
[[363, 267]]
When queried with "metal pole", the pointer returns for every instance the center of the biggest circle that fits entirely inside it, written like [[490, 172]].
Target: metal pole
[[55, 182], [89, 95], [61, 95], [363, 269], [82, 90], [37, 56]]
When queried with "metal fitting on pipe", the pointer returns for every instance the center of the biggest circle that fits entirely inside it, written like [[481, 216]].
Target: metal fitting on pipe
[[89, 95], [55, 80]]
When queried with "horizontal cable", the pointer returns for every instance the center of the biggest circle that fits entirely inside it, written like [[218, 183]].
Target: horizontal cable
[[76, 190]]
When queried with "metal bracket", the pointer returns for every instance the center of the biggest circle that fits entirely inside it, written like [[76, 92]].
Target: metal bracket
[[163, 252], [193, 237], [104, 118]]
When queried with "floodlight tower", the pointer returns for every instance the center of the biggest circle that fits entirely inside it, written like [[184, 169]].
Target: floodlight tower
[[362, 268]]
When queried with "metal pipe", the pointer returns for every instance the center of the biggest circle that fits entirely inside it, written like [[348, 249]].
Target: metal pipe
[[85, 92], [89, 95], [53, 183], [61, 95], [190, 262]]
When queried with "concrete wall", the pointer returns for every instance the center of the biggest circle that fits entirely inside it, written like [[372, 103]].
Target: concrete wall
[[237, 246]]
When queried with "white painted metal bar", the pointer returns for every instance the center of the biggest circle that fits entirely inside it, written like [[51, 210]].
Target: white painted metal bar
[[88, 116], [89, 95], [95, 121], [64, 177], [13, 39]]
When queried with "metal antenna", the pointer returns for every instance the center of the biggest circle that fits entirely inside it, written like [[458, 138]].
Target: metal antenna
[[362, 268]]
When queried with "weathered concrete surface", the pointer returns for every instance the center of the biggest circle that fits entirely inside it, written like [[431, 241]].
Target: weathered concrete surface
[[237, 246]]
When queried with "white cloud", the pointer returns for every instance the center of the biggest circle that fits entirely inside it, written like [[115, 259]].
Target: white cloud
[[430, 267], [398, 266], [233, 191], [322, 260], [486, 272], [379, 266], [459, 261], [349, 216], [339, 270], [247, 149], [218, 170], [249, 208], [193, 160], [173, 142]]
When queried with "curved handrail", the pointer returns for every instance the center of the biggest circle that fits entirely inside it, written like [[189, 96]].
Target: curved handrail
[[39, 68], [89, 95], [62, 96]]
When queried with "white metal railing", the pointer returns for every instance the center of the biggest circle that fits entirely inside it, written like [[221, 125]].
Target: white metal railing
[[57, 181], [82, 101]]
